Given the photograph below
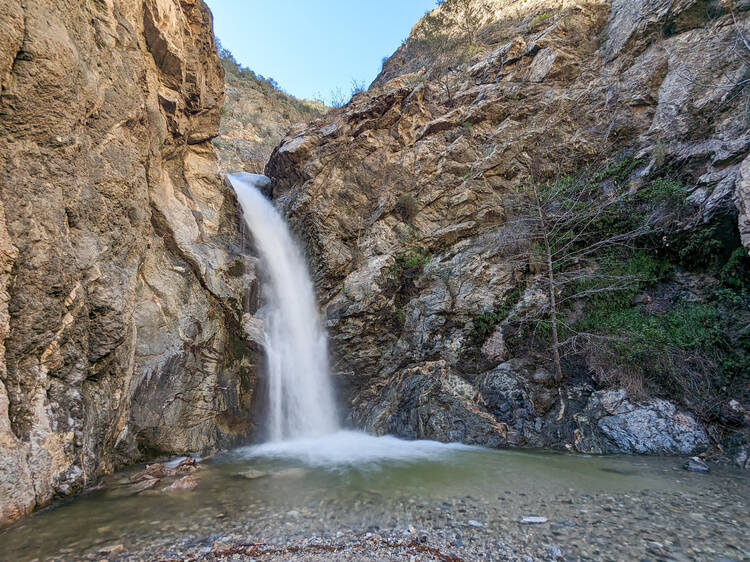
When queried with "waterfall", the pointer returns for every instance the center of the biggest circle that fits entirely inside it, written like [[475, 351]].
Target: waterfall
[[300, 393]]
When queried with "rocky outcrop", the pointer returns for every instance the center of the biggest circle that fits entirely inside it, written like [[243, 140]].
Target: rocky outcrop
[[428, 402], [742, 199], [402, 199], [255, 117], [610, 423], [122, 276]]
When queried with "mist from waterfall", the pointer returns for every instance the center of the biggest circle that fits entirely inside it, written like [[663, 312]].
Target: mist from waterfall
[[300, 393]]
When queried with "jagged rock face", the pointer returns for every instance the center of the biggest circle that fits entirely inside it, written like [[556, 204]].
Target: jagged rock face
[[436, 162], [122, 276], [255, 117], [612, 424]]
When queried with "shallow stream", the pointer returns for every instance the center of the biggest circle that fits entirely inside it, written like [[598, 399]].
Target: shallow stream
[[464, 500]]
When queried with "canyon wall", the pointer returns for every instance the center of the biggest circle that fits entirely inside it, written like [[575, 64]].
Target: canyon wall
[[255, 117], [404, 199], [123, 278]]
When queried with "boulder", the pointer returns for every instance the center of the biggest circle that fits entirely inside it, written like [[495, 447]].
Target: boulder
[[610, 423]]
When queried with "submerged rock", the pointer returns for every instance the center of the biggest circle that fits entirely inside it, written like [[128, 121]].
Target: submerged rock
[[185, 483], [252, 474], [696, 464], [290, 473]]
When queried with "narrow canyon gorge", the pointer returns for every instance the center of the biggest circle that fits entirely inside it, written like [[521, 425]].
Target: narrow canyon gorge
[[530, 231]]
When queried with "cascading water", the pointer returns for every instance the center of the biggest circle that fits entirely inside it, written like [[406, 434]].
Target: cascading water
[[301, 402], [303, 422]]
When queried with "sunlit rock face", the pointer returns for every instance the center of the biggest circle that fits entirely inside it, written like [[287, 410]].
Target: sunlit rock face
[[122, 275], [255, 117], [431, 158]]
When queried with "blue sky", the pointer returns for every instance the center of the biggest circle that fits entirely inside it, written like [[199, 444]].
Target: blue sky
[[314, 47]]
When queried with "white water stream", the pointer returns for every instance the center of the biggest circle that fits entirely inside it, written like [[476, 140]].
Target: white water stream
[[301, 403], [303, 423]]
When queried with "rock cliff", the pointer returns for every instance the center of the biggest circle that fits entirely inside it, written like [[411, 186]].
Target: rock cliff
[[122, 284], [255, 117], [404, 199]]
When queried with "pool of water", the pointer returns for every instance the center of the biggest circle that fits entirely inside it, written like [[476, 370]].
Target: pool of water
[[342, 480]]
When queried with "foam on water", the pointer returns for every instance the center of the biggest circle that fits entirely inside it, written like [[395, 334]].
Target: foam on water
[[351, 449]]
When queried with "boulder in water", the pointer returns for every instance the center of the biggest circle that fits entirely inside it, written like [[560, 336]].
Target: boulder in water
[[696, 464], [251, 474]]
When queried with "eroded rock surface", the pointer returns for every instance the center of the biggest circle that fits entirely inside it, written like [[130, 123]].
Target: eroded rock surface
[[122, 276], [402, 199], [255, 117], [655, 427]]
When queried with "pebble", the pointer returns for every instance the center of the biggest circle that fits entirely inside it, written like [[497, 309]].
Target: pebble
[[533, 519], [111, 549], [475, 523]]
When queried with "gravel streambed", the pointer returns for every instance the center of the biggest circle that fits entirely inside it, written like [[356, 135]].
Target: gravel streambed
[[472, 505]]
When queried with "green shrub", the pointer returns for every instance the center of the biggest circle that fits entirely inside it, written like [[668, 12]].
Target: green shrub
[[539, 19], [618, 169], [485, 323], [400, 315], [736, 272], [691, 351], [410, 263]]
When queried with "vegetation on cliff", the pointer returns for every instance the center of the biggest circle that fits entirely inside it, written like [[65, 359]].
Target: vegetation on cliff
[[494, 124], [255, 116]]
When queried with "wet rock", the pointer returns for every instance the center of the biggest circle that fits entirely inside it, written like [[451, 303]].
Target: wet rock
[[144, 484], [473, 523], [696, 464], [555, 553], [430, 402], [156, 470], [183, 484], [185, 466], [111, 549], [741, 456]]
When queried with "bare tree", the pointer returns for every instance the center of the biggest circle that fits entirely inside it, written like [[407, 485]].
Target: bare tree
[[470, 18], [562, 230]]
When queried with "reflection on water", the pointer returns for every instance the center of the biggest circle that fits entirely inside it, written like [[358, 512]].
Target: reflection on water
[[338, 474]]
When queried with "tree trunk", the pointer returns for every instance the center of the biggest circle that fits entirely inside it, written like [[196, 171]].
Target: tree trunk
[[552, 296]]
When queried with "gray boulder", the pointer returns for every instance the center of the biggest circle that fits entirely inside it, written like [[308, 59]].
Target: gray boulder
[[610, 423]]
